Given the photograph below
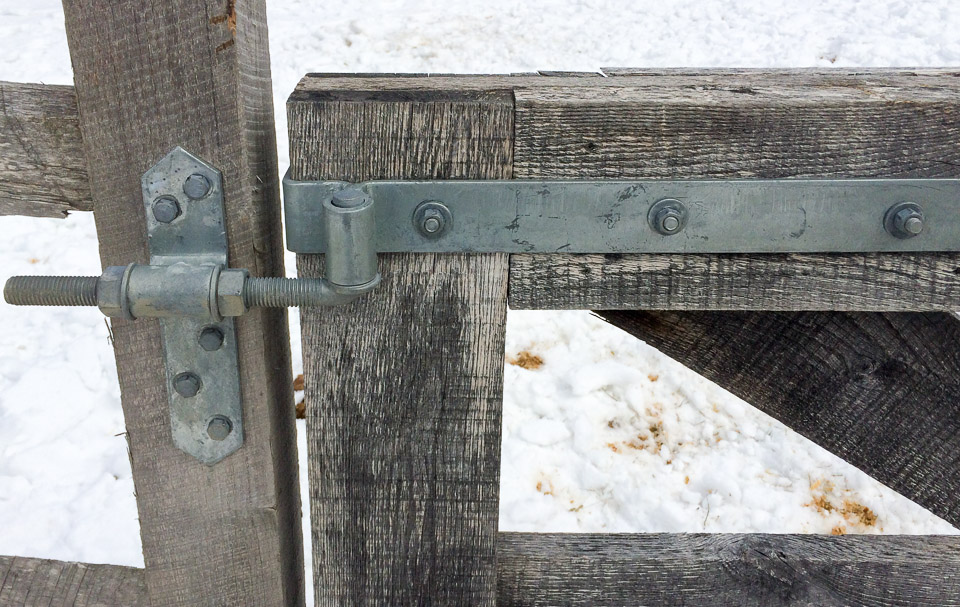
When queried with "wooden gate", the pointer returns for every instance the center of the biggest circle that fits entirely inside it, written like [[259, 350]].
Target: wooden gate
[[857, 352]]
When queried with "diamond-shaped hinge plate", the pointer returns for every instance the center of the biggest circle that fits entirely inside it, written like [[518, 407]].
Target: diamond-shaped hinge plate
[[183, 200]]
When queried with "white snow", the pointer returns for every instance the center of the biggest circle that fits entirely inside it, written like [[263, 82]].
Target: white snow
[[607, 434]]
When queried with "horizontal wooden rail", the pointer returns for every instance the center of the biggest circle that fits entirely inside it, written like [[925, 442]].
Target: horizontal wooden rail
[[43, 171], [29, 581], [727, 569], [621, 569]]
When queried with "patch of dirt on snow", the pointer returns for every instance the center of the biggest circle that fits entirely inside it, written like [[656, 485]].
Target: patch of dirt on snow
[[526, 360]]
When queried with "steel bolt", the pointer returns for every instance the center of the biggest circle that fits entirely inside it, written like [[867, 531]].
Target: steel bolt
[[667, 216], [211, 338], [904, 220], [196, 186], [432, 225], [219, 428], [166, 209], [187, 384], [909, 222]]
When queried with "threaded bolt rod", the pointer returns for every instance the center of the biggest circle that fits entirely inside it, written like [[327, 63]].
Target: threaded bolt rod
[[51, 290], [272, 292]]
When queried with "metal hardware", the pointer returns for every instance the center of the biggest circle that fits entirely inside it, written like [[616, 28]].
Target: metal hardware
[[196, 297], [904, 220], [667, 216], [728, 216]]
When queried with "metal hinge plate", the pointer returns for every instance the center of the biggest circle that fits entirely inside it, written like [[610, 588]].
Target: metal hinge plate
[[183, 201], [644, 216]]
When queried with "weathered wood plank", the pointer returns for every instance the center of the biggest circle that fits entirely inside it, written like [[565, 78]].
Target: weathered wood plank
[[726, 569], [882, 391], [40, 582], [405, 438], [877, 282], [197, 74], [43, 172], [739, 125]]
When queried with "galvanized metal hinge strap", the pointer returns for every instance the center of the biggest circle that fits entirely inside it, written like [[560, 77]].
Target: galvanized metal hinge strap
[[641, 216]]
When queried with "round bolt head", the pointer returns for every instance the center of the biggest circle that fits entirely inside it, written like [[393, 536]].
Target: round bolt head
[[432, 224], [166, 209], [211, 338], [187, 384], [196, 186], [219, 428]]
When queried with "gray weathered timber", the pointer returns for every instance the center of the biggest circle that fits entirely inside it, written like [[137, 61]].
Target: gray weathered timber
[[407, 383], [882, 391], [707, 570], [754, 124], [34, 582], [877, 282], [42, 172], [196, 74]]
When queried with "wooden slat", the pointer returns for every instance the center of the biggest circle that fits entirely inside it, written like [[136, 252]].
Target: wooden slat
[[882, 391], [197, 74], [878, 282], [404, 439], [756, 124], [29, 581], [43, 172], [706, 570]]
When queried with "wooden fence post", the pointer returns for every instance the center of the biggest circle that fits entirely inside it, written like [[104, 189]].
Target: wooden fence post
[[196, 73]]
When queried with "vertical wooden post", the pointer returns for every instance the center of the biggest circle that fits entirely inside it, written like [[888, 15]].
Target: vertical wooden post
[[405, 386], [195, 73]]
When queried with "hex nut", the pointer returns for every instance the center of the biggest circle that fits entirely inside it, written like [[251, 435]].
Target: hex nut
[[211, 338], [111, 292], [219, 428], [230, 292], [196, 186], [432, 219], [667, 216], [166, 209], [904, 220], [187, 384]]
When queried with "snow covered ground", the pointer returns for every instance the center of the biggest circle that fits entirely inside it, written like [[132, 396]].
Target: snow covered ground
[[601, 432]]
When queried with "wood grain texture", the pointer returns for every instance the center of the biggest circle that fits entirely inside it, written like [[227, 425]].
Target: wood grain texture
[[404, 440], [706, 570], [43, 172], [877, 282], [753, 124], [882, 391], [31, 582], [197, 74]]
